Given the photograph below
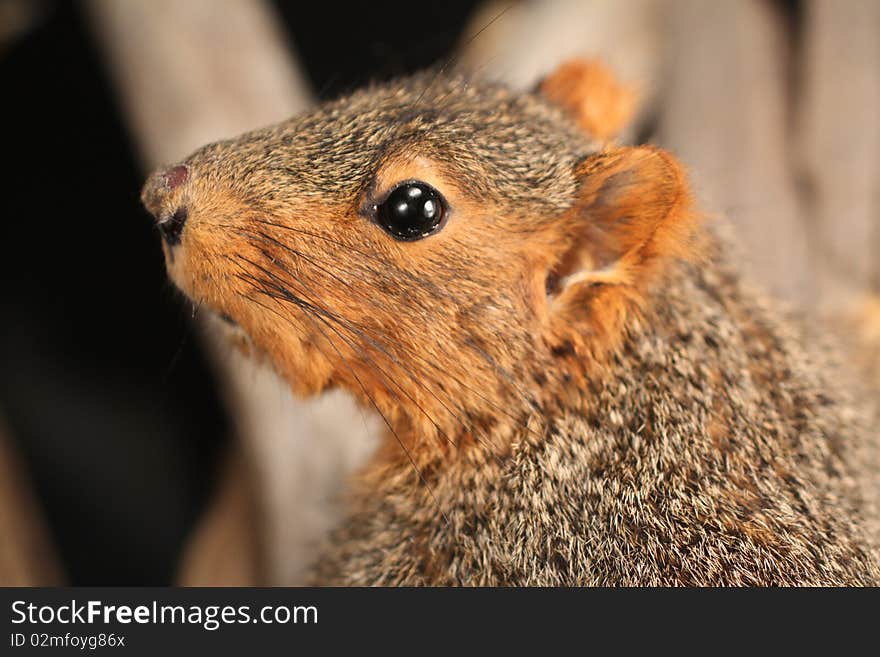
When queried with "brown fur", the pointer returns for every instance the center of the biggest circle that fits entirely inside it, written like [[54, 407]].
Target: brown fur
[[578, 388]]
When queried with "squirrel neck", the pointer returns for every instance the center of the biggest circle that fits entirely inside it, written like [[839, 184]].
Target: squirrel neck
[[703, 337], [677, 330]]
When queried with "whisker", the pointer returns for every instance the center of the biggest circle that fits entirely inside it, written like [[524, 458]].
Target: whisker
[[343, 323], [360, 331], [389, 379], [319, 236], [385, 374], [372, 401], [322, 311], [382, 264], [454, 58]]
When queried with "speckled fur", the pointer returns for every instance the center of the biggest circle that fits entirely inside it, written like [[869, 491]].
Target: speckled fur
[[577, 386], [715, 451]]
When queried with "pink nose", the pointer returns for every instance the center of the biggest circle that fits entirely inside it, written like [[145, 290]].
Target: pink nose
[[176, 176]]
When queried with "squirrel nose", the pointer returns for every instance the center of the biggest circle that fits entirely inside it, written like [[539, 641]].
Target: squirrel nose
[[171, 226], [169, 221]]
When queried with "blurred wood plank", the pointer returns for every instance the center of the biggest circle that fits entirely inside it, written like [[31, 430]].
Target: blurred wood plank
[[193, 72], [302, 454], [725, 112], [839, 133], [27, 557], [226, 547]]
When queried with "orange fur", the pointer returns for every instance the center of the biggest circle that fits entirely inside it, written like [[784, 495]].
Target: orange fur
[[590, 92]]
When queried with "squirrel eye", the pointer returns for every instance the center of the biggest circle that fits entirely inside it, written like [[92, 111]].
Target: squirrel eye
[[411, 211]]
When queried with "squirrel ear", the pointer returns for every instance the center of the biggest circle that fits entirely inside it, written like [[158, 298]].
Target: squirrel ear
[[589, 91], [632, 217]]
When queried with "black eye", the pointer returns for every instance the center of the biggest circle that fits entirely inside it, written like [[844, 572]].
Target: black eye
[[412, 210]]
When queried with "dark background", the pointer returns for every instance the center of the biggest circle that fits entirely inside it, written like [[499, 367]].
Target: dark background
[[103, 385]]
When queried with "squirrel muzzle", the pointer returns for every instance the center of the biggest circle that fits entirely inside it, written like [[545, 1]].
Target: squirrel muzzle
[[159, 195]]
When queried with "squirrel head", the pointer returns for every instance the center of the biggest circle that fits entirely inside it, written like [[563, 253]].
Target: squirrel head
[[453, 253]]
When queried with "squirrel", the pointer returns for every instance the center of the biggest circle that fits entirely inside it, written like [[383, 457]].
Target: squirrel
[[577, 386]]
